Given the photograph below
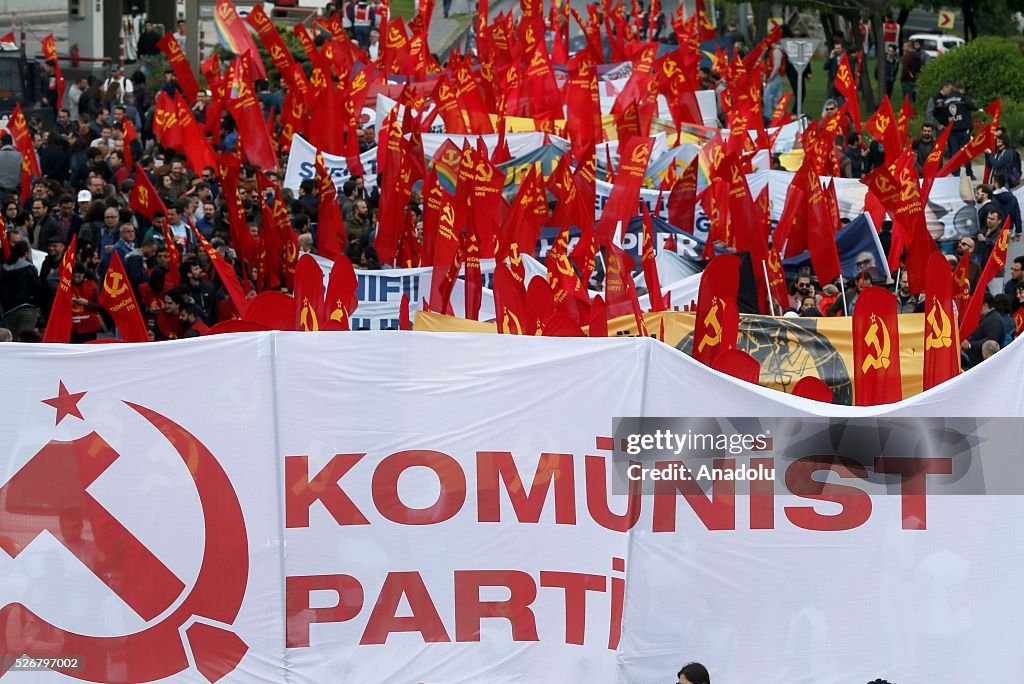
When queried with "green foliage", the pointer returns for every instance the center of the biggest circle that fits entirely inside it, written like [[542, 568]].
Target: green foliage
[[1012, 119], [405, 9], [990, 68]]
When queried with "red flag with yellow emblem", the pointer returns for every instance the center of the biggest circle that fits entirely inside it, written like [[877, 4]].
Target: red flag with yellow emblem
[[718, 317], [342, 298], [179, 63], [846, 85], [876, 349], [119, 301], [309, 295], [58, 327], [996, 263], [941, 342]]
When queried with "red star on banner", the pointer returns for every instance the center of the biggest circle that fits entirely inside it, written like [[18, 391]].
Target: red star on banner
[[66, 403]]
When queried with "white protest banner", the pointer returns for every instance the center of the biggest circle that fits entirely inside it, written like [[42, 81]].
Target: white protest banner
[[421, 507], [302, 166]]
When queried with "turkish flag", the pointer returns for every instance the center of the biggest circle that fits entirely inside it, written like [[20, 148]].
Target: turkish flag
[[718, 316], [996, 263], [341, 297], [309, 295], [876, 349], [738, 364], [143, 197], [941, 342], [58, 327], [119, 301], [179, 63]]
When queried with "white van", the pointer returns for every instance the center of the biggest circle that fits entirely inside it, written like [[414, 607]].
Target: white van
[[935, 44]]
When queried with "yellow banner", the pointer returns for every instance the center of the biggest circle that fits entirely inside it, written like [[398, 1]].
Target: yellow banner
[[788, 349]]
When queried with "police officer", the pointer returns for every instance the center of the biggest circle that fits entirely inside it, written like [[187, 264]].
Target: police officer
[[363, 18], [960, 107]]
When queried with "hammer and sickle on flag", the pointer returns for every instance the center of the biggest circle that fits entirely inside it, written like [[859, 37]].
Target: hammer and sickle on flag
[[940, 334], [712, 320], [114, 284], [883, 347], [307, 319]]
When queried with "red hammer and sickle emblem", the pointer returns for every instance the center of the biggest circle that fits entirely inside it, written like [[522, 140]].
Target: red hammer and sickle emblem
[[54, 483]]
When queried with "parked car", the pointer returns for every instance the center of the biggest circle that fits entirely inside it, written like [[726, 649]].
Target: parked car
[[935, 44]]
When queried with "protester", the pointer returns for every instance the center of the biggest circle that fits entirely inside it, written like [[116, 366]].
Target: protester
[[1004, 160], [913, 60], [694, 673], [990, 327]]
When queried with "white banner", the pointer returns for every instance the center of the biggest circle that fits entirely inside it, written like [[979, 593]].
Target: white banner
[[302, 166], [414, 507]]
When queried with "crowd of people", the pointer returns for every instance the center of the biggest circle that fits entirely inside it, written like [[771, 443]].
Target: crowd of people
[[83, 196]]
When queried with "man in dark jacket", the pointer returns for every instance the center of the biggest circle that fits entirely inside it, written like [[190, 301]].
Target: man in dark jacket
[[1007, 204], [19, 290], [990, 327]]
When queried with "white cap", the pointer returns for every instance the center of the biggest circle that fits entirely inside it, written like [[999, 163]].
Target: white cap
[[84, 196]]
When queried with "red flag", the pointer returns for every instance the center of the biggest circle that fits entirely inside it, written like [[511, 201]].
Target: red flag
[[781, 115], [165, 122], [996, 262], [977, 145], [331, 239], [246, 111], [738, 364], [272, 309], [932, 161], [962, 284], [309, 295], [173, 258], [130, 135], [846, 86], [5, 246], [18, 128], [876, 349], [58, 327], [143, 197], [509, 301], [280, 55], [198, 151], [941, 348], [650, 264], [814, 388], [903, 122], [821, 240], [119, 301], [404, 322], [776, 278], [682, 201], [227, 275], [619, 290], [446, 249], [474, 279], [625, 194], [49, 47], [179, 63], [235, 36], [718, 318], [882, 127], [341, 298]]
